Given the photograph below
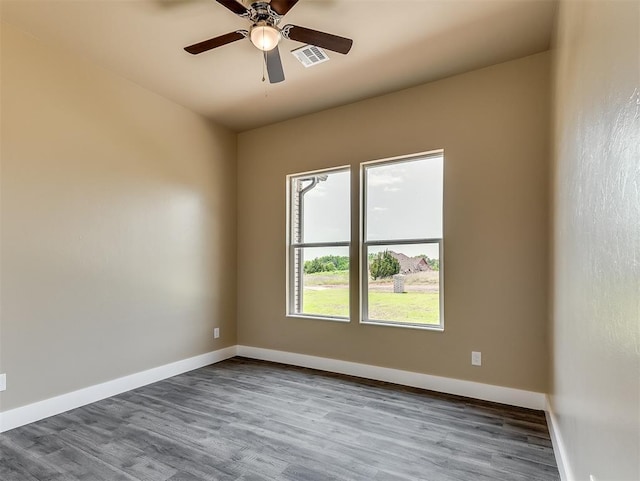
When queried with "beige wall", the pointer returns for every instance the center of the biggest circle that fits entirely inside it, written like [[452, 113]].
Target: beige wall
[[493, 126], [596, 314], [118, 226]]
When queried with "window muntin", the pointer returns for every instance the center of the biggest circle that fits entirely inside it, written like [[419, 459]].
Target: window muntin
[[402, 215], [319, 240]]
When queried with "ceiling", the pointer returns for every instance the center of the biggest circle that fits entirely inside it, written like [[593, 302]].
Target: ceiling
[[397, 44]]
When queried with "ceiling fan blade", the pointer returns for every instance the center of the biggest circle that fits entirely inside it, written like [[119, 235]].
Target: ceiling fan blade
[[319, 39], [200, 47], [234, 6], [274, 65], [281, 7]]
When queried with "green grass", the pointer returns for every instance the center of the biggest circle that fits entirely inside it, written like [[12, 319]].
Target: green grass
[[328, 302], [412, 307], [408, 307]]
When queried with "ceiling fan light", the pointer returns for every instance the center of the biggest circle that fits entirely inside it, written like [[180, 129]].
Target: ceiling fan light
[[265, 37]]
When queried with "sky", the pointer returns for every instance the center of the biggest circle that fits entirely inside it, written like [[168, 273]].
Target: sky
[[404, 201]]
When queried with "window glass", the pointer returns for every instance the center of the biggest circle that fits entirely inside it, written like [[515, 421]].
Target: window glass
[[324, 282], [404, 200], [403, 284], [323, 206]]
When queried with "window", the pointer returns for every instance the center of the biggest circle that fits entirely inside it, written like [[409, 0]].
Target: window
[[402, 241], [318, 244]]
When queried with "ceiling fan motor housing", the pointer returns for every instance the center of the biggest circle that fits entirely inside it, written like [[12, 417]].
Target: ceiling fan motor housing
[[262, 12]]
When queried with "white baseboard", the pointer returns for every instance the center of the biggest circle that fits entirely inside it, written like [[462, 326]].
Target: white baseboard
[[486, 392], [559, 448], [50, 407], [65, 402]]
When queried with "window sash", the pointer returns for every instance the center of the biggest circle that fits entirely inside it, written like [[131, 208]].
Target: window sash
[[291, 232], [364, 168], [320, 244], [364, 284], [291, 287], [385, 242]]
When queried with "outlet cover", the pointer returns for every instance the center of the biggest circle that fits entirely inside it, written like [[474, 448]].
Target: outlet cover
[[476, 358], [216, 333], [3, 382]]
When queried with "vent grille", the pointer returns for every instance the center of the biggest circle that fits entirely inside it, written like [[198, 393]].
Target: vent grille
[[310, 55]]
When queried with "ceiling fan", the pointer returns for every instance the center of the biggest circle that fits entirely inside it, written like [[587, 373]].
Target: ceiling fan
[[265, 34]]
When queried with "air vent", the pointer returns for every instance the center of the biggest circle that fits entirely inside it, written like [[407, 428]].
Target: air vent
[[310, 55]]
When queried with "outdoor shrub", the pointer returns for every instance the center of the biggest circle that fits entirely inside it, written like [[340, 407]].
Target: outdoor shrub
[[383, 264]]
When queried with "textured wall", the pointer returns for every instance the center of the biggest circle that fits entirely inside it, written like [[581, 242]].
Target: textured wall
[[596, 316], [493, 126], [118, 226]]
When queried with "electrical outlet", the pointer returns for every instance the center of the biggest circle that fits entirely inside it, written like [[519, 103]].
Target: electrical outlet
[[3, 382], [476, 358], [216, 333]]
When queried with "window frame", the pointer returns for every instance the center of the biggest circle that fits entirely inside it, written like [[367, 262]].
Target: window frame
[[292, 246], [364, 245]]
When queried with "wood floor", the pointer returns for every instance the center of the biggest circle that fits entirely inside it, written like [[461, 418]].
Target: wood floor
[[250, 420]]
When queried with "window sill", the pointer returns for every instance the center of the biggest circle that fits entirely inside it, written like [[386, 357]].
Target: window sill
[[319, 318], [425, 327]]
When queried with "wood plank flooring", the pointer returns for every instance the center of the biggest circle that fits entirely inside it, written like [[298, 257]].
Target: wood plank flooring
[[248, 420]]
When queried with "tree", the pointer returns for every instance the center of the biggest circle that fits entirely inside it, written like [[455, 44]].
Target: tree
[[328, 267], [434, 264], [383, 265], [326, 264], [313, 266]]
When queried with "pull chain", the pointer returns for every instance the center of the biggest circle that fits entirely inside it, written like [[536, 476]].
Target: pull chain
[[264, 63]]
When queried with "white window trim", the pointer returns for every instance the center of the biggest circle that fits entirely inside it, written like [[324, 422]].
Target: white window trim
[[364, 247], [292, 246]]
